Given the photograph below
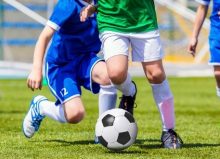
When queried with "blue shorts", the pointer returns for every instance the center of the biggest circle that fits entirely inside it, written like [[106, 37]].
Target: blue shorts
[[65, 80], [214, 52]]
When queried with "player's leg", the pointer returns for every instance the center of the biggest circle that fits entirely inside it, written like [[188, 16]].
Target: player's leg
[[96, 79], [164, 100], [71, 111], [64, 84], [217, 78], [161, 92], [107, 93], [116, 49], [66, 91], [117, 70], [149, 52]]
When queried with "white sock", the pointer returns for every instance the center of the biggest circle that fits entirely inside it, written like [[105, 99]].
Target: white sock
[[218, 92], [107, 98], [164, 100], [127, 87], [53, 111]]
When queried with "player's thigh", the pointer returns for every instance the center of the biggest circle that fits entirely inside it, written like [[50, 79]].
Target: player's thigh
[[74, 109], [117, 67], [63, 81], [86, 72], [100, 74], [154, 71]]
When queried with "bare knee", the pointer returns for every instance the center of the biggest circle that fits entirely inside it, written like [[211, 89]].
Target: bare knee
[[75, 117], [117, 77], [117, 67], [154, 71], [156, 77], [74, 110]]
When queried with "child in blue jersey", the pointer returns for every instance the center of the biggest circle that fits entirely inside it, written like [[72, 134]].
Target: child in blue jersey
[[71, 62], [214, 39]]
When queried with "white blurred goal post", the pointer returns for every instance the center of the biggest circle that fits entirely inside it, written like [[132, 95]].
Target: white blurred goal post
[[15, 69], [26, 11]]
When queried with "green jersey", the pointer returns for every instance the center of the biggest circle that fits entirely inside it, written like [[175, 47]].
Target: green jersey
[[126, 16]]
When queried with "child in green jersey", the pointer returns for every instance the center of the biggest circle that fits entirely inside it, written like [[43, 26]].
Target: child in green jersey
[[133, 23]]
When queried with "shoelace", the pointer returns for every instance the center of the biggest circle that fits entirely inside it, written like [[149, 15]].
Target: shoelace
[[36, 117], [36, 123], [173, 136]]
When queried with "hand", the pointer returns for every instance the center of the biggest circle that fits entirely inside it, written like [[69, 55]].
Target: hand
[[34, 80], [192, 47], [87, 12]]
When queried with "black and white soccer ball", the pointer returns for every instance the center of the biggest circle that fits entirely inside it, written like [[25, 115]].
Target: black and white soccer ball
[[116, 129]]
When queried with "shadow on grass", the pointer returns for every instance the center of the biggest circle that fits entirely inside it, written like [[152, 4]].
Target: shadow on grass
[[123, 152], [12, 112], [138, 143], [199, 145], [68, 143], [86, 142], [141, 143]]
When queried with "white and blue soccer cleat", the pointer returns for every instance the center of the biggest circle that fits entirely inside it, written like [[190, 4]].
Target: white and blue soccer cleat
[[33, 117]]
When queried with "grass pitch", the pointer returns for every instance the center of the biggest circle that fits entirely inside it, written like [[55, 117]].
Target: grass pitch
[[197, 121]]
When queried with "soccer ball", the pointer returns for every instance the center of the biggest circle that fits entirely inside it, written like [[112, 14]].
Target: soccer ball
[[116, 129]]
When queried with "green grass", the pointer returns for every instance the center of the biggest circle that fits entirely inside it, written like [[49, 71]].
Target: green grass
[[197, 121]]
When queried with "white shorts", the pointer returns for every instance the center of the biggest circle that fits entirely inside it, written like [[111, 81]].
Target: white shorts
[[145, 47]]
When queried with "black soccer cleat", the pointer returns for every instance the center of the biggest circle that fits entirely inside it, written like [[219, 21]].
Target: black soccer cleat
[[128, 102], [171, 140]]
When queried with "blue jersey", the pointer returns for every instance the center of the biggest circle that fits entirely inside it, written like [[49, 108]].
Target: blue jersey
[[72, 37], [215, 21]]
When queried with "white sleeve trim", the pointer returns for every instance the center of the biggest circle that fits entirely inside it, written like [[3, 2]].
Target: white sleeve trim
[[203, 2], [53, 25]]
